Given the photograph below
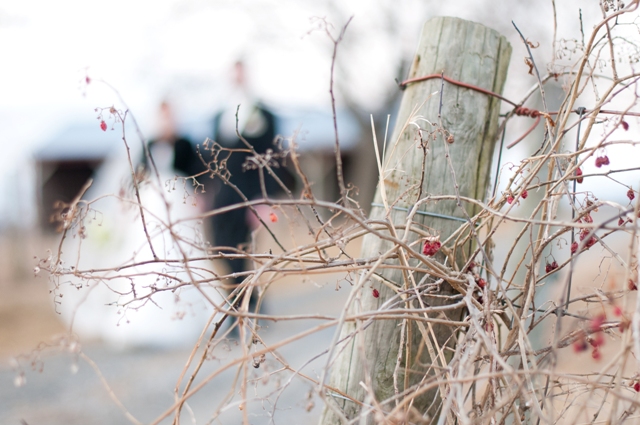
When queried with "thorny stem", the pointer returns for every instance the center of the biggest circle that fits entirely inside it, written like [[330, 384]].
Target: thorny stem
[[148, 155], [338, 155]]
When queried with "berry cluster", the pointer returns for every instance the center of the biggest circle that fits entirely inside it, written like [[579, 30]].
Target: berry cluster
[[594, 337], [602, 160], [583, 235], [551, 266], [523, 195], [591, 241]]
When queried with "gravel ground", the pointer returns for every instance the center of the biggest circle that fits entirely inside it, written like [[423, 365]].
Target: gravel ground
[[64, 389]]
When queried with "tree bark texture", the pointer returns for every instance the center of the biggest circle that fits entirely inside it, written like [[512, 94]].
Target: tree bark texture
[[416, 167]]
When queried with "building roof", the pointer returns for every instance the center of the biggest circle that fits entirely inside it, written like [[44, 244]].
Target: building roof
[[314, 128], [79, 142]]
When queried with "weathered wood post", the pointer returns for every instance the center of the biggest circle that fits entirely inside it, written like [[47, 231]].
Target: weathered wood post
[[473, 54]]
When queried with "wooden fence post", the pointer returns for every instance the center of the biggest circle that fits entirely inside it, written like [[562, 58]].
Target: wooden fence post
[[364, 364]]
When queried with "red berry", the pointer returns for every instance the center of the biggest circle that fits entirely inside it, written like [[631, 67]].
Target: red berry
[[376, 294], [481, 283], [621, 222], [103, 125], [591, 242], [596, 354], [598, 162], [625, 125], [574, 247], [431, 247], [605, 160], [580, 179], [551, 267], [636, 386], [597, 322], [88, 80], [510, 199], [580, 344], [597, 340], [273, 217], [630, 194], [617, 311], [524, 194], [632, 285]]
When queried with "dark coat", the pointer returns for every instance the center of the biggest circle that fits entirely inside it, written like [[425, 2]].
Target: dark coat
[[185, 158], [260, 134], [231, 228]]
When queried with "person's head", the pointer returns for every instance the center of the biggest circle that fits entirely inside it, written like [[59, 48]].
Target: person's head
[[238, 73], [166, 122]]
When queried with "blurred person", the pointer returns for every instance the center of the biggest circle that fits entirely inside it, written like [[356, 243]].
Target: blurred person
[[169, 149], [257, 126], [138, 305]]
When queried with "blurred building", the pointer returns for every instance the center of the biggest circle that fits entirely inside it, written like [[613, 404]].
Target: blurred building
[[313, 132], [65, 162]]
